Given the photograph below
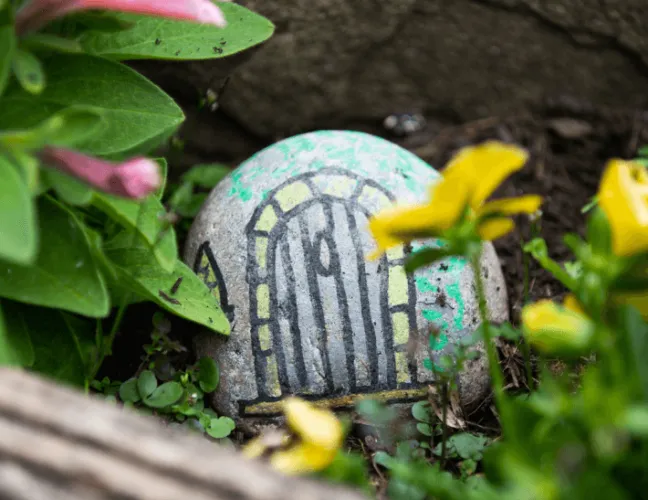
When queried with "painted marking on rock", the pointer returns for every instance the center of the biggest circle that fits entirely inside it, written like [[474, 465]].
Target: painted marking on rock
[[310, 227]]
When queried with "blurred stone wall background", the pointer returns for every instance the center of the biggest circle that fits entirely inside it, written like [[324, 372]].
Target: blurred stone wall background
[[350, 63]]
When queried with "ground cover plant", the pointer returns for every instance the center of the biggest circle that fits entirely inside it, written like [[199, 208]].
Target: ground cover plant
[[84, 230]]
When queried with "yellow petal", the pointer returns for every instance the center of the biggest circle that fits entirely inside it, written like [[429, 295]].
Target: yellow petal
[[484, 167], [254, 448], [314, 426], [492, 229], [623, 196], [554, 329], [302, 459], [571, 302], [449, 196], [510, 206], [396, 225]]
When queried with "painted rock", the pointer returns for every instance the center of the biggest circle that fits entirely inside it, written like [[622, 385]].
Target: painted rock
[[282, 243]]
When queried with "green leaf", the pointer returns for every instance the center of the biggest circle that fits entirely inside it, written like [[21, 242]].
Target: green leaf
[[64, 275], [538, 249], [192, 299], [636, 347], [48, 42], [19, 234], [206, 176], [146, 383], [165, 395], [7, 48], [156, 38], [134, 109], [147, 219], [470, 446], [220, 427], [421, 411], [424, 257], [68, 188], [164, 173], [28, 71], [465, 445], [208, 374], [128, 391], [384, 459], [65, 128], [61, 341], [424, 429], [16, 348]]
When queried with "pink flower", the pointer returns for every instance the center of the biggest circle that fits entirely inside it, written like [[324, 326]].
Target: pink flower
[[136, 178], [37, 13]]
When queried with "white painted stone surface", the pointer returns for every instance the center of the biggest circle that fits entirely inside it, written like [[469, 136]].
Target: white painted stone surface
[[283, 242]]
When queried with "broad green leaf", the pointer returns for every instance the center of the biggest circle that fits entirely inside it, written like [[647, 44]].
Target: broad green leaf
[[146, 383], [165, 395], [191, 300], [68, 188], [469, 445], [48, 42], [208, 374], [134, 109], [185, 202], [28, 71], [15, 343], [164, 172], [424, 429], [59, 340], [220, 427], [208, 175], [128, 391], [64, 129], [147, 219], [64, 274], [28, 168], [18, 231], [155, 38], [421, 411], [7, 48]]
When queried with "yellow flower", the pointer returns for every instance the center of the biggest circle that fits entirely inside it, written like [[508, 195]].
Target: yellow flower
[[623, 196], [467, 181], [319, 437], [555, 329]]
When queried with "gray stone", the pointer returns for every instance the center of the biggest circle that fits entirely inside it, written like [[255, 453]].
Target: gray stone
[[282, 242]]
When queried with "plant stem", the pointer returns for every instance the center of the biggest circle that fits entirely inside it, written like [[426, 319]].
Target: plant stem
[[105, 349], [496, 375], [444, 402]]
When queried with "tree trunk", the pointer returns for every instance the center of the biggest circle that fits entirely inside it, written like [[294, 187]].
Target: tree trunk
[[56, 443]]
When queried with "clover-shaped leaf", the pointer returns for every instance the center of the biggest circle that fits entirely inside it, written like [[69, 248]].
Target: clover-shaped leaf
[[220, 427], [165, 395], [128, 391], [146, 383], [208, 374]]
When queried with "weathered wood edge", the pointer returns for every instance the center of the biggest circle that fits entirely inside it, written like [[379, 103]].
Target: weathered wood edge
[[56, 443]]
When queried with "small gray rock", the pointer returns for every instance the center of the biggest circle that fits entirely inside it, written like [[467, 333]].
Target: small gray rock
[[282, 242]]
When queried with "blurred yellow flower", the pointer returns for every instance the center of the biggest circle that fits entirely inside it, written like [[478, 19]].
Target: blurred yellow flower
[[467, 181], [555, 329], [623, 196], [319, 437]]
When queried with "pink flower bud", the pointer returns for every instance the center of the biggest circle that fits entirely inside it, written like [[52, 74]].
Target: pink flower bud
[[37, 13], [136, 178]]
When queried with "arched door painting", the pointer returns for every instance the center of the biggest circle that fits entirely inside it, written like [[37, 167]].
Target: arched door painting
[[360, 315]]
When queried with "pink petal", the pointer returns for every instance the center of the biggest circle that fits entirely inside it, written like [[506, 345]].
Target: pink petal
[[136, 178], [37, 13]]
